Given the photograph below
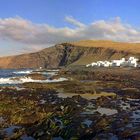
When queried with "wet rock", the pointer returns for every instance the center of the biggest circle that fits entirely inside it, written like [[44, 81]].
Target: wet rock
[[36, 76], [126, 133], [136, 136], [102, 124]]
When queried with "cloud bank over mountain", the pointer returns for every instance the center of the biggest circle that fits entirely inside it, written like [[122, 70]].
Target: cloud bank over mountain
[[38, 35]]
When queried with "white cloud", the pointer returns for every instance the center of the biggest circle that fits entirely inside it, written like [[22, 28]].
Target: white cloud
[[73, 21], [31, 34]]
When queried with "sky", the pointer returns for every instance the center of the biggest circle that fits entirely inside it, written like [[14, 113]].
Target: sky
[[31, 25]]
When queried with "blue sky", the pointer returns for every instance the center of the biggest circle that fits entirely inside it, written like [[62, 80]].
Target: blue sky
[[54, 11], [63, 17]]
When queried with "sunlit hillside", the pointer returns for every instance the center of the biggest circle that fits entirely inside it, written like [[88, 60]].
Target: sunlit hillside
[[121, 46]]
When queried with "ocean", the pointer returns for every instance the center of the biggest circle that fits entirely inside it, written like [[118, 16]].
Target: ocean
[[19, 76], [5, 73]]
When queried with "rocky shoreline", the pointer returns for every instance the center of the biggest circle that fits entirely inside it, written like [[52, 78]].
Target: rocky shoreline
[[92, 104]]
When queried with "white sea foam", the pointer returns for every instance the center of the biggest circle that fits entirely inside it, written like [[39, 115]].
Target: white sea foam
[[23, 72], [21, 80], [19, 88], [48, 73], [57, 70]]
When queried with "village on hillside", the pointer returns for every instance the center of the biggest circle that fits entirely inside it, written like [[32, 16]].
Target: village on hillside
[[130, 62]]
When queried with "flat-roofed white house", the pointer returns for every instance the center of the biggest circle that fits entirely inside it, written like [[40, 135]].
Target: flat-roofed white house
[[131, 62]]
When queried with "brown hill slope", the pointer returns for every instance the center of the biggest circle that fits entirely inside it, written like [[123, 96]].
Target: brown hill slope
[[75, 53], [120, 46]]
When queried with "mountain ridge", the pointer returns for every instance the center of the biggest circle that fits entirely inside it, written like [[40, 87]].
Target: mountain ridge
[[72, 53]]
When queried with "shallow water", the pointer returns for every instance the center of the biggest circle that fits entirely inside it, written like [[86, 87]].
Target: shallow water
[[136, 116], [10, 130], [90, 109], [106, 111], [102, 111], [88, 96], [25, 137], [87, 122]]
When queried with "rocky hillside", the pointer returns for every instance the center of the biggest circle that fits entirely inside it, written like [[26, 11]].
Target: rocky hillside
[[76, 53]]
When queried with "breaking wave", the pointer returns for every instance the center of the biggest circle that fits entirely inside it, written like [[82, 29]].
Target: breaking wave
[[15, 80], [23, 72]]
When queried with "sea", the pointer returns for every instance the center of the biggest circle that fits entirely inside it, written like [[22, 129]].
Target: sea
[[7, 73], [19, 76]]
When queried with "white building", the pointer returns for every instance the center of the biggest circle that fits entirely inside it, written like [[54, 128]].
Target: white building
[[131, 62]]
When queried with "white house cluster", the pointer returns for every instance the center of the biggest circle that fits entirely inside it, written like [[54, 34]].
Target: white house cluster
[[131, 62]]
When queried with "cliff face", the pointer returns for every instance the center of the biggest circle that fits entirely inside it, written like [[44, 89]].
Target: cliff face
[[63, 55]]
